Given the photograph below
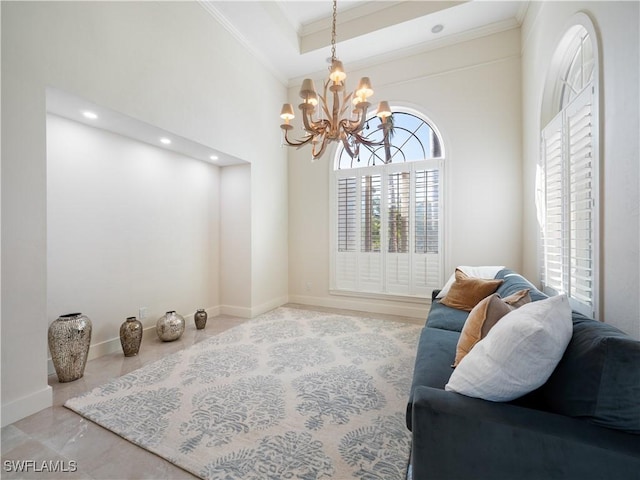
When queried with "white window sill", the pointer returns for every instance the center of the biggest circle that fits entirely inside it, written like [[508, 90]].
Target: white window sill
[[424, 300]]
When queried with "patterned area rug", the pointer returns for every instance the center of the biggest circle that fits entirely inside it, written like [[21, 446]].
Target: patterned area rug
[[290, 394]]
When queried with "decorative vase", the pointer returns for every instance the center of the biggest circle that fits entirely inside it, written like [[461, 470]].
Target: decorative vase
[[131, 336], [170, 326], [69, 341], [200, 318]]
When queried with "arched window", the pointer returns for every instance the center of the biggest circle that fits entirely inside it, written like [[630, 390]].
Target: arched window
[[568, 183], [386, 210], [412, 139]]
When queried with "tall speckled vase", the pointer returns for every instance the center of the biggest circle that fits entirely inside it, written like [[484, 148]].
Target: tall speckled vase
[[170, 326], [131, 336], [200, 318], [69, 341]]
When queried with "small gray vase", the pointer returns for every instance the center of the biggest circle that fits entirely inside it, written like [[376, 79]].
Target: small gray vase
[[131, 336], [200, 318], [170, 326], [69, 340]]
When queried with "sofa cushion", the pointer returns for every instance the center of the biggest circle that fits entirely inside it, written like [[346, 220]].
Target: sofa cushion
[[466, 292], [598, 377], [519, 353], [446, 318], [436, 349]]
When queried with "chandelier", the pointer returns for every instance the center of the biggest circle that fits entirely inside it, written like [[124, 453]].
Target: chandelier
[[331, 123]]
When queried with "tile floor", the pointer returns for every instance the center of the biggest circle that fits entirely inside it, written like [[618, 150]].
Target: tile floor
[[84, 450]]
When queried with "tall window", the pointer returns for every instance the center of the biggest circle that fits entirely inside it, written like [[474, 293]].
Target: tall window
[[387, 204], [568, 182]]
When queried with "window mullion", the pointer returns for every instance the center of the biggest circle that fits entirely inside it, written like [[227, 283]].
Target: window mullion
[[566, 203], [411, 230], [384, 227]]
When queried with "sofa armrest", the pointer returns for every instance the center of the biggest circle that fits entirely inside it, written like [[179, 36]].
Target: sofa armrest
[[458, 437]]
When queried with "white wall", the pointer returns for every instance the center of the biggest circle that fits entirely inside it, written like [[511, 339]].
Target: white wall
[[471, 91], [235, 240], [618, 26], [169, 64], [129, 225]]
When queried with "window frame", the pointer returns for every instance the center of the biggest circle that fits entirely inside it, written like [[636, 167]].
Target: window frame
[[556, 110], [336, 173]]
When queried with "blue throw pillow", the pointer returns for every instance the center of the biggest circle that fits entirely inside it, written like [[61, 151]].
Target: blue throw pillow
[[514, 282]]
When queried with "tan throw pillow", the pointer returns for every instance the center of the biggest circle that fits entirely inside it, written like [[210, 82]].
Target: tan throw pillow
[[519, 298], [481, 319], [466, 292]]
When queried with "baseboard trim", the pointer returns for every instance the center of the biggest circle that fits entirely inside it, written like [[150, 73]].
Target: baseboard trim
[[242, 312], [27, 405], [265, 307], [250, 312], [365, 305]]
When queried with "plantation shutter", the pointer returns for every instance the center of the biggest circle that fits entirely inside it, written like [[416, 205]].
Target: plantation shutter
[[346, 274], [388, 229], [569, 228], [552, 230], [426, 260], [370, 257], [581, 197], [398, 208]]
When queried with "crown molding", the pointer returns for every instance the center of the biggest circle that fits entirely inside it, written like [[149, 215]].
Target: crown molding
[[229, 27]]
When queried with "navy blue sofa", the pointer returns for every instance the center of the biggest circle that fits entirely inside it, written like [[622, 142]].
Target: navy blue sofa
[[583, 423]]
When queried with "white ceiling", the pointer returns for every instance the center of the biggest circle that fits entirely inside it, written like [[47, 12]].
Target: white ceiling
[[292, 38]]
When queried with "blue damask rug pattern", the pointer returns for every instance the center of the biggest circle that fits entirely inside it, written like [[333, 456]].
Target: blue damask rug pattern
[[290, 394]]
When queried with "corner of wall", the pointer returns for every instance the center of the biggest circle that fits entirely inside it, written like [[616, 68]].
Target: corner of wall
[[25, 406]]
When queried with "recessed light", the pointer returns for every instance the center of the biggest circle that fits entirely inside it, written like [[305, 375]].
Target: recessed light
[[90, 115], [437, 28], [165, 140], [214, 157]]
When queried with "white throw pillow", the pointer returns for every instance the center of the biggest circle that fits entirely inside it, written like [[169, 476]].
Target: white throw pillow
[[488, 272], [518, 354]]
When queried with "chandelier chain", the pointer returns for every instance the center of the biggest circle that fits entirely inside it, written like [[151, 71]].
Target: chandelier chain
[[333, 30]]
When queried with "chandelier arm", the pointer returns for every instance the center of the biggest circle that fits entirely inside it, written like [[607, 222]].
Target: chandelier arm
[[323, 146], [314, 128], [355, 126], [345, 102], [296, 143], [370, 145], [360, 139], [347, 147]]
